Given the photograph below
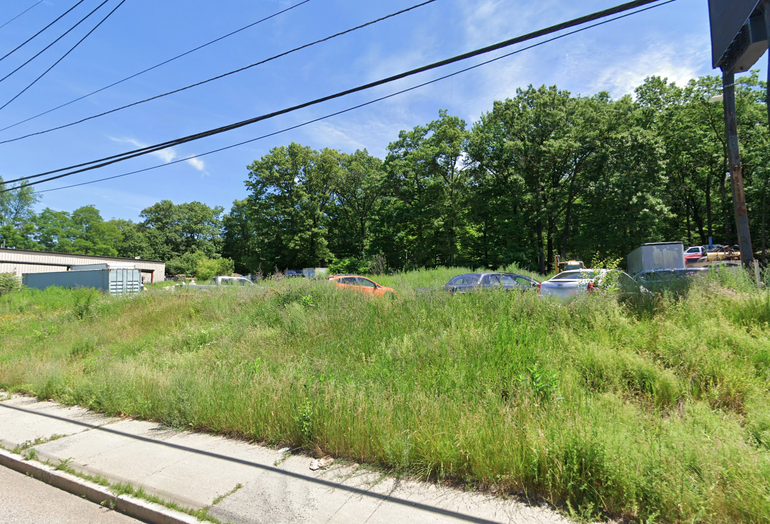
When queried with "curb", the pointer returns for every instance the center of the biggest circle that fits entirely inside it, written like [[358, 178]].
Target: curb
[[131, 506]]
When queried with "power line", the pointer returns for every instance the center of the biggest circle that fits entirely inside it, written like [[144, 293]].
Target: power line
[[52, 43], [157, 147], [94, 164], [353, 108], [17, 16], [156, 65], [9, 53], [63, 56], [285, 53]]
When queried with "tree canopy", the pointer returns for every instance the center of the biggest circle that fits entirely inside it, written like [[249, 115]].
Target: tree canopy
[[542, 173]]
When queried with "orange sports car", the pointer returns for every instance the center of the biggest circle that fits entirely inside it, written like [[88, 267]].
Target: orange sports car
[[362, 284]]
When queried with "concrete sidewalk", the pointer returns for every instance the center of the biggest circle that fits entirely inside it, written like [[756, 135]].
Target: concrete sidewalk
[[235, 481]]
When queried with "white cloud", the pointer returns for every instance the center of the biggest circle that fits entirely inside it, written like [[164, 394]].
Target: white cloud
[[371, 129], [198, 164], [333, 136], [489, 21], [679, 64], [601, 59], [167, 155]]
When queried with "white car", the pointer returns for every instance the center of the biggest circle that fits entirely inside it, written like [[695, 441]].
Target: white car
[[221, 282], [568, 285], [229, 281]]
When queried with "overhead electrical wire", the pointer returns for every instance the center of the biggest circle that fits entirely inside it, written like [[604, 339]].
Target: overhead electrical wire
[[156, 65], [218, 77], [63, 56], [17, 16], [52, 43], [95, 164], [9, 53], [102, 162], [358, 106]]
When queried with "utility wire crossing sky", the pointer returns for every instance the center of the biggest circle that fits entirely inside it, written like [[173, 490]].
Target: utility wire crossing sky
[[670, 40], [143, 151]]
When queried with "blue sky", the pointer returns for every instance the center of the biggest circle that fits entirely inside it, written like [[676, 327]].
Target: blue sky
[[670, 41]]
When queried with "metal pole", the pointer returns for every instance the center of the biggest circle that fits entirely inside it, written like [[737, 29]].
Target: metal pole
[[766, 12], [736, 172]]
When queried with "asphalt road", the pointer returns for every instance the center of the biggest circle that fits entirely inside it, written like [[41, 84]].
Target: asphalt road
[[24, 500]]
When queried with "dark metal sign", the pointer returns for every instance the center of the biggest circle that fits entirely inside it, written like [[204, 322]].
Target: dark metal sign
[[727, 19]]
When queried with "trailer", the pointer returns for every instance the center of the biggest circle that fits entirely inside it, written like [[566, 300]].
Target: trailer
[[655, 255], [112, 280]]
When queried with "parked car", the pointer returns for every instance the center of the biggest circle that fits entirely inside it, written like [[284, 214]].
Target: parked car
[[676, 280], [695, 254], [221, 282], [361, 284], [293, 273], [473, 281], [569, 285], [229, 281]]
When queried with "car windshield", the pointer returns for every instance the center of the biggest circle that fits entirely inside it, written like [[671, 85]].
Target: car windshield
[[575, 275], [464, 280]]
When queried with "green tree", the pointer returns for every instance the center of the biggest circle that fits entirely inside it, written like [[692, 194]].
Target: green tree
[[16, 216], [427, 183], [622, 205], [357, 196], [236, 237], [133, 242], [200, 227], [93, 236], [173, 230], [161, 226], [54, 230], [290, 194], [185, 264], [538, 148], [692, 131], [210, 267]]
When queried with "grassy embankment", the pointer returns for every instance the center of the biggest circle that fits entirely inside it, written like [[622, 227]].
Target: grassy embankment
[[659, 411]]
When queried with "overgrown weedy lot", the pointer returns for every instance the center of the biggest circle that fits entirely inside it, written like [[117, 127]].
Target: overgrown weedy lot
[[649, 410]]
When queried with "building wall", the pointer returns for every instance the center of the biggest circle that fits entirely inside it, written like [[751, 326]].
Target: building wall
[[19, 261]]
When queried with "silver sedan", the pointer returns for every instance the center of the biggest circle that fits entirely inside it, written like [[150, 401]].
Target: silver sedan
[[569, 285]]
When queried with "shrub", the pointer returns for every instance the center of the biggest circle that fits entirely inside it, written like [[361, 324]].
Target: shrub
[[185, 264], [8, 283], [210, 267], [83, 301], [351, 265]]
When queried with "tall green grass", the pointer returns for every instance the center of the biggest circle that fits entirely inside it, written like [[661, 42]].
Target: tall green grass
[[653, 411]]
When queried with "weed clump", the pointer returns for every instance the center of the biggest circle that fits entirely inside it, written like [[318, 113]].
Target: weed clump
[[9, 283]]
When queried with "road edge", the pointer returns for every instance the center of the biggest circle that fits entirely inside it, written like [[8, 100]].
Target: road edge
[[125, 504]]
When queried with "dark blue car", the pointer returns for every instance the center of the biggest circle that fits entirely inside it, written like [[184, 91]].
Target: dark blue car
[[473, 281]]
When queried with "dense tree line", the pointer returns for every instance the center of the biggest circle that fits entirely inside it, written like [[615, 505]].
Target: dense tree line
[[181, 235], [540, 174]]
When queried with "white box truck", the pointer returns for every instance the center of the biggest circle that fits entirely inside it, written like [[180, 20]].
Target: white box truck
[[656, 255]]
